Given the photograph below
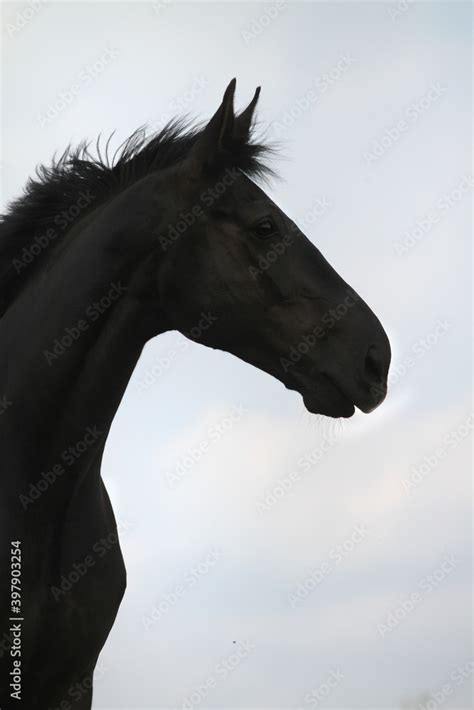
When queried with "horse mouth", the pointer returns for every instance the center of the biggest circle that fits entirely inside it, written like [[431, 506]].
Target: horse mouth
[[322, 395]]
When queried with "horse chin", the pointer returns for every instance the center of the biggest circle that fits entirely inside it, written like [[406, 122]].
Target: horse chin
[[337, 408], [321, 395]]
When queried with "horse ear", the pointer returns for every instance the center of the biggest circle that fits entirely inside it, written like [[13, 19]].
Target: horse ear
[[243, 121], [217, 136]]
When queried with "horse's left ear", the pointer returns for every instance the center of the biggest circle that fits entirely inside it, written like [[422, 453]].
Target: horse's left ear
[[217, 136], [243, 122]]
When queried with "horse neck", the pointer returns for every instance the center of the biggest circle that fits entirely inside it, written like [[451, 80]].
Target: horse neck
[[72, 338]]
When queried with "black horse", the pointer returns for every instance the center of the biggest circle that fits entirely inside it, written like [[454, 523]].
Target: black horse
[[96, 258]]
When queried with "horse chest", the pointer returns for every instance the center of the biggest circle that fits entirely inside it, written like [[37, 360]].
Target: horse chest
[[91, 573]]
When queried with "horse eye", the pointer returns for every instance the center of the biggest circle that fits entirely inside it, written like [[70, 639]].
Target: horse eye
[[265, 228]]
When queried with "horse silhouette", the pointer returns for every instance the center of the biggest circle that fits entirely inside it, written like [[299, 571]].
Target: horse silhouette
[[97, 257]]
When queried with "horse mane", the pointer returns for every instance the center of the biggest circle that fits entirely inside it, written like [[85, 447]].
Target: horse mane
[[25, 228]]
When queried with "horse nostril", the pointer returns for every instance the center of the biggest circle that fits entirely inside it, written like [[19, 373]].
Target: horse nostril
[[374, 367]]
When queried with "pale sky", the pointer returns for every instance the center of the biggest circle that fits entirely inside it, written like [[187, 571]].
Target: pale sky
[[350, 587]]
